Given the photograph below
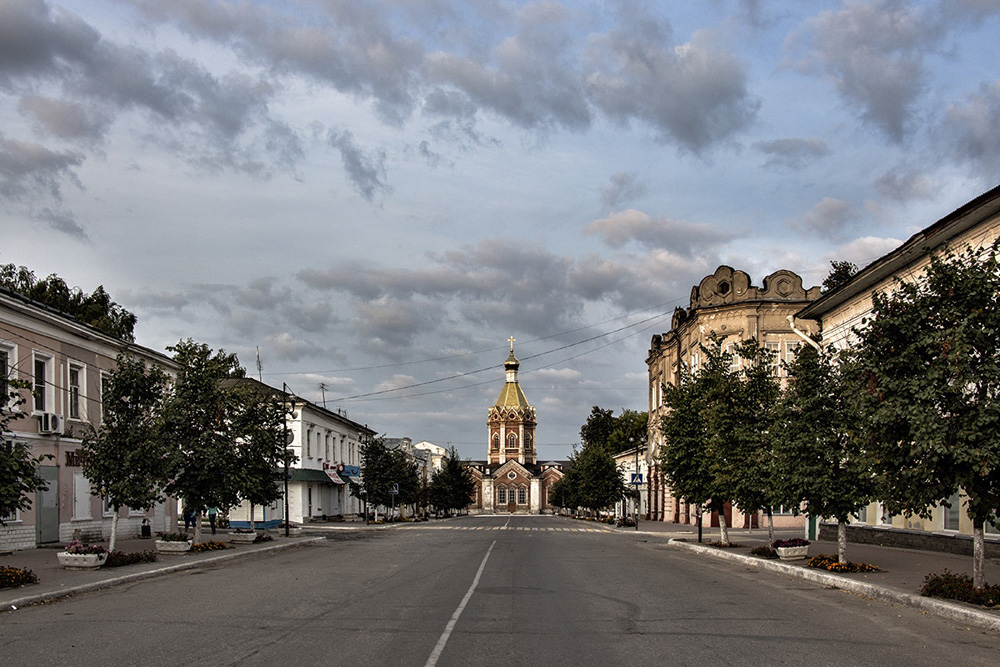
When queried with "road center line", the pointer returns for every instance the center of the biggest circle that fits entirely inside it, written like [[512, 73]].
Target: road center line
[[439, 647]]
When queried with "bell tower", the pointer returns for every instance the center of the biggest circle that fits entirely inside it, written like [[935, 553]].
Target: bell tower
[[511, 420]]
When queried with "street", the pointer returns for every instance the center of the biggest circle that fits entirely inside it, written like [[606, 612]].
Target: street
[[498, 590]]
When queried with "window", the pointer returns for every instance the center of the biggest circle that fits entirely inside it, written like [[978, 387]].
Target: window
[[862, 514], [774, 347], [501, 495], [75, 377], [106, 507], [12, 517], [496, 441], [734, 358], [522, 496], [327, 447], [782, 509], [309, 439], [694, 363], [40, 386], [792, 348], [527, 442], [5, 366], [105, 390], [511, 441], [952, 515], [884, 518]]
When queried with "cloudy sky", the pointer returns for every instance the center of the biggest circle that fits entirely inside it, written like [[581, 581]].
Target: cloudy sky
[[378, 194]]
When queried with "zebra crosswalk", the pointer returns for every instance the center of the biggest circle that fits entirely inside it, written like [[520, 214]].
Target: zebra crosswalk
[[525, 528]]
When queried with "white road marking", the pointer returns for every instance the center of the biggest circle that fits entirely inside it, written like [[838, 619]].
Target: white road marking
[[439, 647]]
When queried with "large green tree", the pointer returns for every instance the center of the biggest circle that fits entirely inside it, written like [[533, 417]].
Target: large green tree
[[929, 367], [197, 426], [699, 426], [598, 479], [452, 486], [597, 430], [19, 477], [96, 309], [819, 459], [124, 458]]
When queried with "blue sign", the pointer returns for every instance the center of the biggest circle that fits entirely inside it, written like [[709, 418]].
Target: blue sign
[[394, 488], [637, 478]]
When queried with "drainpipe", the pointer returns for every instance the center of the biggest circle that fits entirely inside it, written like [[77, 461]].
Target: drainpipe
[[801, 334]]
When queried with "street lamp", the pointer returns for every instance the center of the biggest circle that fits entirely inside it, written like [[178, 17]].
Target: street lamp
[[288, 439], [635, 480]]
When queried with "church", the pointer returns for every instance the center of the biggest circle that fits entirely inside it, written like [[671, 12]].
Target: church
[[511, 480]]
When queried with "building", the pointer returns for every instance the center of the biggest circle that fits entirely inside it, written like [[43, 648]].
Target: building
[[838, 312], [633, 462], [435, 454], [511, 479], [728, 306], [327, 446], [66, 363]]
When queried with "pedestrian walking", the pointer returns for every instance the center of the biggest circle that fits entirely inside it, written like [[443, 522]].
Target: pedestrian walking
[[188, 519], [212, 513]]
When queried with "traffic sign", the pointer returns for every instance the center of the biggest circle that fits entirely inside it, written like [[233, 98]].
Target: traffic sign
[[637, 478], [394, 489]]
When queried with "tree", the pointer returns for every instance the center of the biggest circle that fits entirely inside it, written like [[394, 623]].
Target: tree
[[124, 458], [18, 467], [630, 429], [599, 482], [746, 464], [840, 273], [196, 425], [95, 309], [819, 460], [258, 423], [929, 367], [598, 428], [700, 425], [564, 492], [452, 486], [381, 468]]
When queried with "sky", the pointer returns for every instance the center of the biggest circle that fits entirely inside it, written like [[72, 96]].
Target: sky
[[378, 194]]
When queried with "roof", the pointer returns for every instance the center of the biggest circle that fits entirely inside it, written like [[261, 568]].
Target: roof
[[917, 246], [511, 396], [298, 399]]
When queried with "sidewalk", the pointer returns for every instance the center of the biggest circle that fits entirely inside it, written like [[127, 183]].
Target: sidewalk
[[901, 574], [54, 581]]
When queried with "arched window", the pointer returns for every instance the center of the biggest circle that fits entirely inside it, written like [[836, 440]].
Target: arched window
[[496, 441], [511, 441], [522, 496], [527, 441], [501, 495]]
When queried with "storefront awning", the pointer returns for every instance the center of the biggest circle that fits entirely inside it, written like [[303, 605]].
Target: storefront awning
[[309, 475], [334, 477]]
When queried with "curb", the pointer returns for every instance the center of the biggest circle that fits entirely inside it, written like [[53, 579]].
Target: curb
[[949, 610], [13, 605]]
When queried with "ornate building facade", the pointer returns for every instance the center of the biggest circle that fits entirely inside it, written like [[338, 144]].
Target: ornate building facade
[[725, 305], [511, 480]]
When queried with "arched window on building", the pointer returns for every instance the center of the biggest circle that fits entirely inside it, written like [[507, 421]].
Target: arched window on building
[[511, 441], [501, 495], [527, 441], [496, 441], [522, 496]]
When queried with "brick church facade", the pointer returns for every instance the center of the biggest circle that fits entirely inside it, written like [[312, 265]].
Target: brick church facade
[[511, 480]]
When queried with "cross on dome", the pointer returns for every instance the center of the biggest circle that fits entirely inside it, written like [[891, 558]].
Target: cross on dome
[[511, 341]]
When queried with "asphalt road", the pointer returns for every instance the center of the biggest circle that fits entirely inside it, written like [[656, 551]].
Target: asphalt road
[[503, 591]]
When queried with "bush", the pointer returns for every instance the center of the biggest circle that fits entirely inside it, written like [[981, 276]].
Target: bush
[[12, 577], [764, 551], [211, 545], [720, 545], [794, 542], [172, 537], [263, 537], [120, 558], [959, 587], [829, 562]]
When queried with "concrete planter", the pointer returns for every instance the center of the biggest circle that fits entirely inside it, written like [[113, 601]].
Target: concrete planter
[[792, 553], [242, 538], [171, 547], [81, 561]]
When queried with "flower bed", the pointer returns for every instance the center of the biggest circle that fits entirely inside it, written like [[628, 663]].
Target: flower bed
[[829, 562], [764, 551], [959, 587], [120, 558], [12, 577], [211, 545]]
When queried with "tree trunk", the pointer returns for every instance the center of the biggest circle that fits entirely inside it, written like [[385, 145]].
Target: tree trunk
[[114, 531], [841, 541], [978, 553], [251, 516], [723, 528], [197, 526], [770, 525]]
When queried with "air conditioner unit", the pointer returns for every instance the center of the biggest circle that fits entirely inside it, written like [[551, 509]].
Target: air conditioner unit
[[50, 424]]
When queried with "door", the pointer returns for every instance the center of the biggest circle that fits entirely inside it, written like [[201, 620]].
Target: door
[[47, 506]]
